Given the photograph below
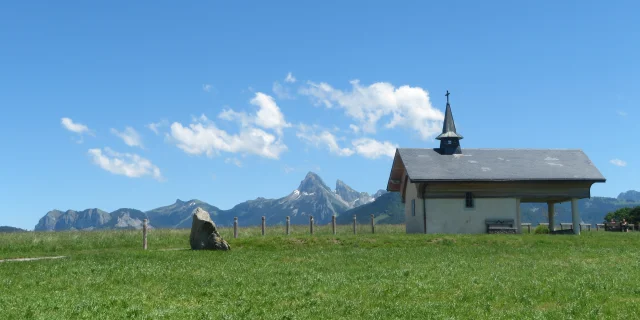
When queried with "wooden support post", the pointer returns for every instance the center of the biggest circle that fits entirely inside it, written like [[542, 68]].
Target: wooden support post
[[311, 224], [264, 225], [354, 224], [144, 234], [333, 223], [551, 209], [575, 216], [235, 227], [288, 225], [373, 229]]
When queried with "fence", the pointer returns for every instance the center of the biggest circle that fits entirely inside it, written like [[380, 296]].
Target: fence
[[354, 228], [312, 224]]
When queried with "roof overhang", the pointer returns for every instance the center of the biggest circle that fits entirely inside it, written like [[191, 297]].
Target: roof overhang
[[394, 184]]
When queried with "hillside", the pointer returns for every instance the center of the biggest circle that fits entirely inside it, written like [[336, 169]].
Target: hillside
[[8, 229], [387, 209]]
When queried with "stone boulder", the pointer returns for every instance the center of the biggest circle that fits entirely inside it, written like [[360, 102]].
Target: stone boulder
[[204, 235]]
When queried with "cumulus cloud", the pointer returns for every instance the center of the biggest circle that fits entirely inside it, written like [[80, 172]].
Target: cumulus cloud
[[204, 137], [126, 164], [407, 106], [155, 127], [618, 162], [130, 137], [268, 116], [373, 149], [322, 138], [290, 78], [354, 128]]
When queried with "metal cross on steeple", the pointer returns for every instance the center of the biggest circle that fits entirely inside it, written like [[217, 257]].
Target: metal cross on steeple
[[447, 96]]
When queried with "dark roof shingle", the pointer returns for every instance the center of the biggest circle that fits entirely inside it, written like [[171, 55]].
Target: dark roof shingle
[[499, 165]]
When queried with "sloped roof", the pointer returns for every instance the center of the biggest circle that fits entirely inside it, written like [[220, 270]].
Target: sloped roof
[[423, 165]]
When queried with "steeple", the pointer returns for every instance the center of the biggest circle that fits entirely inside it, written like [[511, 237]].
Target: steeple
[[449, 138]]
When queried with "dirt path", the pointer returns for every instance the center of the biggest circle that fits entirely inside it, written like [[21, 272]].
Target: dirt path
[[32, 259]]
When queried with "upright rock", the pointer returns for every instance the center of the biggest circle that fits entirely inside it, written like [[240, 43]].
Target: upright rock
[[204, 235]]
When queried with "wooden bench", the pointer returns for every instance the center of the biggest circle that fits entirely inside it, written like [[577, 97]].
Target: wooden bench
[[528, 225], [617, 226], [599, 225], [568, 225], [501, 226]]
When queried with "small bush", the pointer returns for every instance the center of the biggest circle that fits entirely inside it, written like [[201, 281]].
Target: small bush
[[541, 229]]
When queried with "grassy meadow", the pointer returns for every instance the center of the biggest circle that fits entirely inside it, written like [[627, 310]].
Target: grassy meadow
[[387, 275]]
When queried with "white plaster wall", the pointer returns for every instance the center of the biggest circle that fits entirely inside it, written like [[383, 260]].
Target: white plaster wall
[[451, 216], [413, 224]]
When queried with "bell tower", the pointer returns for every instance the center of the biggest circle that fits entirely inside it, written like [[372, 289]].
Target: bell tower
[[449, 138]]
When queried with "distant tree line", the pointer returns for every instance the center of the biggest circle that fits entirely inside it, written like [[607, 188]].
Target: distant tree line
[[632, 215]]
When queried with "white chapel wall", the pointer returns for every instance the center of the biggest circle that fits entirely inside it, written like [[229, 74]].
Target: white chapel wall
[[451, 216], [413, 224]]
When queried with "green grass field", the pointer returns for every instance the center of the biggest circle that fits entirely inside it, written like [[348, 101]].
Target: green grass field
[[387, 275]]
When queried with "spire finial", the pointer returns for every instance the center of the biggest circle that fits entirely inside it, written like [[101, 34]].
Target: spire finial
[[447, 96]]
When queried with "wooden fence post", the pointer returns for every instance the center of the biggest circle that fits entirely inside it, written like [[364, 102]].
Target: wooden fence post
[[264, 224], [333, 223], [311, 224], [288, 224], [235, 227], [373, 230], [354, 224], [144, 234]]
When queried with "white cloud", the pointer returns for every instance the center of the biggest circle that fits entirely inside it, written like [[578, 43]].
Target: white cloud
[[234, 161], [130, 136], [203, 137], [77, 128], [618, 162], [373, 149], [323, 139], [622, 113], [74, 127], [288, 169], [290, 78], [268, 115], [207, 87], [126, 164], [354, 128], [155, 127], [281, 91], [407, 106]]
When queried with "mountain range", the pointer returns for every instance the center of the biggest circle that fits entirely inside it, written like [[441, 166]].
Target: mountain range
[[312, 197]]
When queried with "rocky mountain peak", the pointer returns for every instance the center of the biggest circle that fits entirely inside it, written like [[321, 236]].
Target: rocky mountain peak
[[629, 196], [351, 196], [379, 193], [313, 183]]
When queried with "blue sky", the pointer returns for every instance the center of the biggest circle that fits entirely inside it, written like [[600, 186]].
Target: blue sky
[[82, 82]]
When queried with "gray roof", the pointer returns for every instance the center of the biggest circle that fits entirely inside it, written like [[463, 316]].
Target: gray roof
[[498, 165]]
